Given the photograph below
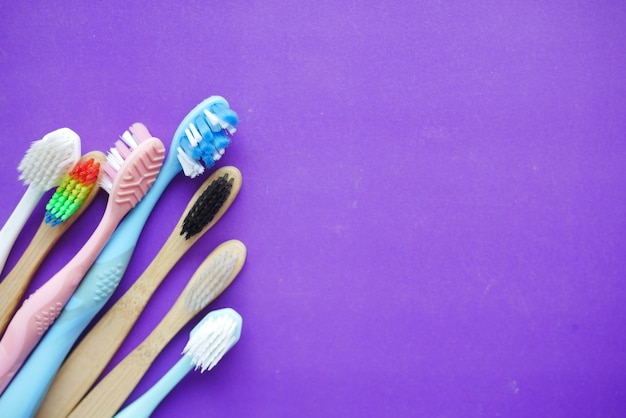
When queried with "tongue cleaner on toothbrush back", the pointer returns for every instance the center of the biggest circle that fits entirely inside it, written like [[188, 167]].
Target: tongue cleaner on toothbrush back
[[69, 201], [208, 341], [89, 358], [128, 176], [213, 276], [44, 165]]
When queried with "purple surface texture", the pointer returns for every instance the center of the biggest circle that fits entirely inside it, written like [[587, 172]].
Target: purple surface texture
[[433, 201]]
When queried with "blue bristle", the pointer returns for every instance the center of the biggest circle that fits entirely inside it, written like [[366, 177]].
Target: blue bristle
[[208, 151], [204, 128], [224, 112], [221, 140], [192, 152]]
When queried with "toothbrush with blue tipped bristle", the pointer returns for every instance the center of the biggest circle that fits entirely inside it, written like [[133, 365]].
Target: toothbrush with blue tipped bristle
[[213, 276], [208, 341], [199, 141], [70, 199], [42, 168]]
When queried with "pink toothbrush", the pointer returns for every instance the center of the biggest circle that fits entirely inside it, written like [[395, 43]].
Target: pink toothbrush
[[128, 174]]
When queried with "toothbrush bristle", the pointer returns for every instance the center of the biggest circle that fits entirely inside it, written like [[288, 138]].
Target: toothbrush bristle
[[50, 158], [207, 206], [204, 136], [210, 281], [72, 191], [214, 336], [116, 156]]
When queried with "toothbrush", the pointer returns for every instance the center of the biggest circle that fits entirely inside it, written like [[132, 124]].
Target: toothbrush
[[89, 358], [42, 167], [214, 275], [128, 174], [75, 193], [208, 342], [204, 134]]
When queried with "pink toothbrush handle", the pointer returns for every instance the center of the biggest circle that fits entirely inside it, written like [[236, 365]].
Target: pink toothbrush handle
[[42, 307]]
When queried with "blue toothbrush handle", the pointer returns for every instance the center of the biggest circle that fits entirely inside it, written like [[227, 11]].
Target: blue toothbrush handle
[[28, 388], [148, 402]]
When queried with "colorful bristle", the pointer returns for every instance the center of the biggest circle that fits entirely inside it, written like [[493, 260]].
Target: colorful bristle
[[72, 192]]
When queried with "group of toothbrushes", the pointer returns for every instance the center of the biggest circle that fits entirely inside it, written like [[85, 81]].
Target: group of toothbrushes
[[46, 369]]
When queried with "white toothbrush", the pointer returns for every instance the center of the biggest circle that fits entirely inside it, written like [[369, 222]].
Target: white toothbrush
[[42, 168], [208, 342]]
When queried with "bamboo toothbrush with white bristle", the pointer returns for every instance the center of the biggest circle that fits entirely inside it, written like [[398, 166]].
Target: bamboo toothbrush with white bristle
[[214, 275], [75, 193], [208, 341], [74, 379], [42, 168]]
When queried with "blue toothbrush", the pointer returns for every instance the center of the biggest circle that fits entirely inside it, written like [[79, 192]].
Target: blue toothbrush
[[201, 137]]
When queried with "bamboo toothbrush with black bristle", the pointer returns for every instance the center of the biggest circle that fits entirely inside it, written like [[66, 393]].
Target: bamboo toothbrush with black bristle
[[73, 379], [75, 193], [213, 276]]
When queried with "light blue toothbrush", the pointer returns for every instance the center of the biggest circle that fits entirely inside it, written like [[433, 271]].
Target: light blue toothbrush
[[208, 342], [200, 138]]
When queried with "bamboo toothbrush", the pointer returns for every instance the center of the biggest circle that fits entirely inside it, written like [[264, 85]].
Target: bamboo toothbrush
[[128, 174], [208, 341], [73, 380], [69, 201], [199, 141], [43, 166], [211, 278]]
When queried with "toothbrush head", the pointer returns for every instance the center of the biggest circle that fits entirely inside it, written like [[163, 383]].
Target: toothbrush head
[[132, 166], [50, 158], [215, 274], [214, 335], [203, 135], [73, 190], [208, 204]]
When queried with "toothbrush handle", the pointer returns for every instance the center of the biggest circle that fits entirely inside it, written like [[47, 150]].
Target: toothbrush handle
[[42, 307], [19, 216], [14, 285], [143, 406], [109, 394], [28, 388]]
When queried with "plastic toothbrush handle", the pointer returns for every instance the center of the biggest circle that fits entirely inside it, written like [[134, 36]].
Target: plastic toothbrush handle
[[148, 402], [42, 307], [28, 388], [16, 221]]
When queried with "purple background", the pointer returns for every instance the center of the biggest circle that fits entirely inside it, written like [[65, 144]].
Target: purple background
[[434, 198]]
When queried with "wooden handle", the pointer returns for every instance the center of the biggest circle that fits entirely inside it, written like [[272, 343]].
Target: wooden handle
[[14, 285], [87, 361]]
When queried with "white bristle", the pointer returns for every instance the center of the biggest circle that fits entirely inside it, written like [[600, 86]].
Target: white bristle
[[49, 159], [196, 134], [129, 140], [191, 168], [106, 183], [218, 124], [210, 280], [115, 159], [191, 137], [208, 344]]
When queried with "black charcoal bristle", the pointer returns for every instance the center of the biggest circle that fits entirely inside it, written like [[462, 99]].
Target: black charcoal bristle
[[206, 207]]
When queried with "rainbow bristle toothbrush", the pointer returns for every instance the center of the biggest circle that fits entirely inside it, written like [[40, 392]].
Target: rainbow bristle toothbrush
[[129, 172], [215, 274], [204, 133], [69, 201], [43, 166], [96, 348], [208, 341]]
